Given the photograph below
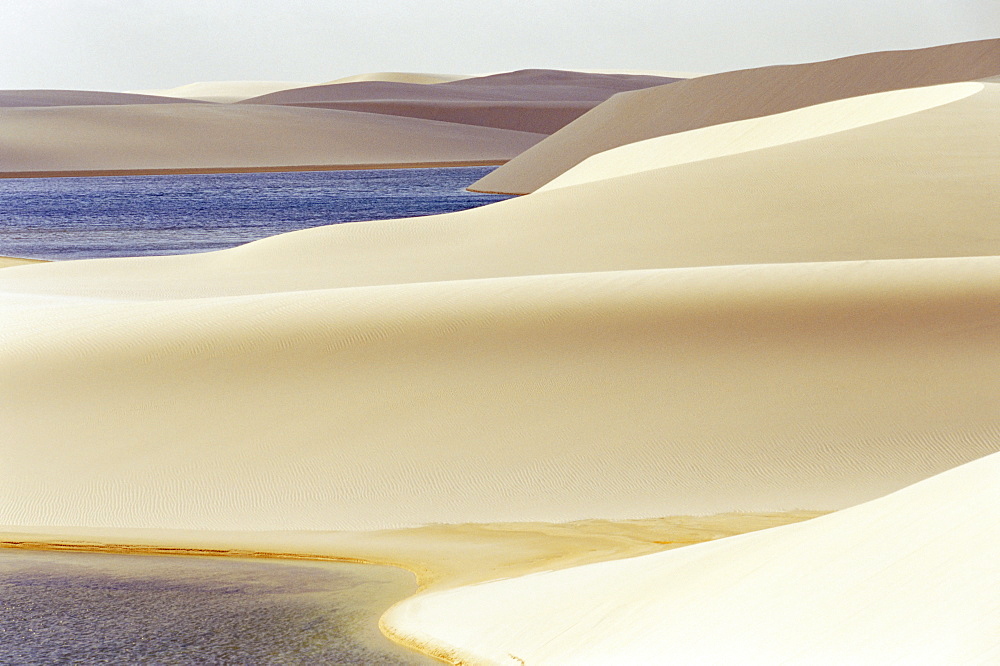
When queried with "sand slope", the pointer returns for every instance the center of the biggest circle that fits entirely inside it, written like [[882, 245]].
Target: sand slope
[[194, 135], [225, 91], [910, 578], [526, 100], [919, 185], [610, 395], [37, 98], [731, 96], [758, 133]]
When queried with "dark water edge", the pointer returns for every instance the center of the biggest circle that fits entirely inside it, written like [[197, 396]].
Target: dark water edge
[[116, 216], [95, 608]]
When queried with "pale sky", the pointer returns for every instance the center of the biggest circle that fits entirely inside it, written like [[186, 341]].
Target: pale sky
[[134, 44]]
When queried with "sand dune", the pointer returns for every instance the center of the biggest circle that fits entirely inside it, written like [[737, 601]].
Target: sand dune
[[920, 185], [527, 100], [758, 133], [199, 136], [419, 78], [226, 91], [42, 98], [531, 116], [522, 85], [910, 578], [609, 395], [732, 96]]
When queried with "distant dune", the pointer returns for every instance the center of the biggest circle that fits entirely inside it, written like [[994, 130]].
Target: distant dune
[[206, 136], [751, 93], [527, 100], [226, 91], [401, 77], [43, 98]]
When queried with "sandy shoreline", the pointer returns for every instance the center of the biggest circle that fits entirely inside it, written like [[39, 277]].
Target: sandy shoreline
[[439, 556], [7, 262], [87, 173]]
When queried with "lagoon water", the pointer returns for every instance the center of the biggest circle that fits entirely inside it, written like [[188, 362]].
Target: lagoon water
[[96, 608], [115, 216]]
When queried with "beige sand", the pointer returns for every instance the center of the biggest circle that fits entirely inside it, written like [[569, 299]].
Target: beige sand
[[552, 398], [42, 98], [731, 96], [910, 578], [744, 136], [225, 91], [7, 262], [224, 137]]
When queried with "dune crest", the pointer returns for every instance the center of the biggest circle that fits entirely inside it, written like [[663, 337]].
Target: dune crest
[[49, 98], [216, 136], [526, 100], [225, 91], [419, 78], [739, 95], [759, 133]]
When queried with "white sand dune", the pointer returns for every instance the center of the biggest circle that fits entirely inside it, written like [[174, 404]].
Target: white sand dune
[[739, 95], [210, 136], [920, 185], [906, 579], [225, 91], [610, 395], [420, 78], [757, 133]]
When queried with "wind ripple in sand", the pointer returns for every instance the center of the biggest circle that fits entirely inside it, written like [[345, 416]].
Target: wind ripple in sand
[[675, 392]]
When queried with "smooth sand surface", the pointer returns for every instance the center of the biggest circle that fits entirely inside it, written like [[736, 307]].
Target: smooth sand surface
[[910, 579], [43, 98], [215, 136], [226, 91], [7, 262], [552, 398], [525, 100], [757, 133], [732, 96]]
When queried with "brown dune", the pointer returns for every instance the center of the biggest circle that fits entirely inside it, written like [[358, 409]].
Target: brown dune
[[530, 116], [527, 100], [18, 98], [193, 137], [731, 96]]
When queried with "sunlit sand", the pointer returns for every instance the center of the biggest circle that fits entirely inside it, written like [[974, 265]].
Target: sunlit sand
[[564, 412]]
